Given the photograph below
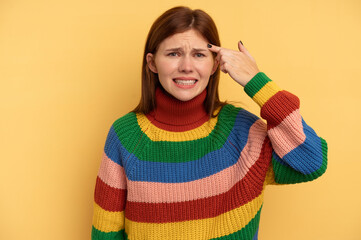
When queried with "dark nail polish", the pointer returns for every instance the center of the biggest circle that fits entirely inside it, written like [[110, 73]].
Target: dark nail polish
[[209, 45], [241, 42]]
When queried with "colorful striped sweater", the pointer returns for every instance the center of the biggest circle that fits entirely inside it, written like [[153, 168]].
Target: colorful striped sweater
[[199, 178]]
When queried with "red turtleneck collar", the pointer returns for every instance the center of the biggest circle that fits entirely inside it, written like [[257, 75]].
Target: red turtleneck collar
[[174, 115]]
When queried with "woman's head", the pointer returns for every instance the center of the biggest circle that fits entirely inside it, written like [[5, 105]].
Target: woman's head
[[173, 26], [183, 64]]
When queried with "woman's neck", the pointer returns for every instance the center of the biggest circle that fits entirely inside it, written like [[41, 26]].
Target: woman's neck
[[174, 115]]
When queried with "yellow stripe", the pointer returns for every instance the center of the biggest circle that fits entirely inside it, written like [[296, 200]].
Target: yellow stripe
[[106, 221], [157, 134], [221, 225], [265, 93], [270, 177]]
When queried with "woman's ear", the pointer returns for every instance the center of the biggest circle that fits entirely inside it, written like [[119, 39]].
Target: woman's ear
[[151, 62], [215, 65]]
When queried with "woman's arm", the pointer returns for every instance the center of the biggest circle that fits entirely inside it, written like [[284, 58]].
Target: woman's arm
[[299, 155], [110, 193]]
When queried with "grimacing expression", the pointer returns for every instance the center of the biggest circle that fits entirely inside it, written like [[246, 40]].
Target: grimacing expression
[[183, 64]]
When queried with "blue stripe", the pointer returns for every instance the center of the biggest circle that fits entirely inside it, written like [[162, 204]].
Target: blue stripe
[[256, 235], [211, 163], [307, 157], [208, 165], [112, 147]]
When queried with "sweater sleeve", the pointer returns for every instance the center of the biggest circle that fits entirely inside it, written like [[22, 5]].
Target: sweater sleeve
[[298, 153], [110, 193]]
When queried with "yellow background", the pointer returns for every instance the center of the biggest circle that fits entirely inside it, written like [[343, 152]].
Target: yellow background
[[68, 69]]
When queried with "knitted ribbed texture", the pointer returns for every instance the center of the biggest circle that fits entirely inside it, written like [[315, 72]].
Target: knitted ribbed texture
[[191, 177], [170, 112]]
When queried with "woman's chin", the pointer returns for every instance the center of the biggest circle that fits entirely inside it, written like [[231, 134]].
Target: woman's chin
[[185, 95]]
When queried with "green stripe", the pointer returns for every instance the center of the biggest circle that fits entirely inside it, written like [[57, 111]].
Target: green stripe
[[246, 233], [285, 174], [256, 83], [99, 235], [134, 141]]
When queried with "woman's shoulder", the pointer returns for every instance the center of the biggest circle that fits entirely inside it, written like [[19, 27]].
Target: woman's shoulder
[[125, 124], [238, 121], [128, 118], [231, 111]]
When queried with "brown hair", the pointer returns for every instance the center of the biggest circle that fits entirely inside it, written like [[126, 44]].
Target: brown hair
[[178, 20]]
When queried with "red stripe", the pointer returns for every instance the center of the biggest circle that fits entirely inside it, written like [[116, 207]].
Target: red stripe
[[176, 128], [278, 107], [109, 198], [174, 115], [242, 192]]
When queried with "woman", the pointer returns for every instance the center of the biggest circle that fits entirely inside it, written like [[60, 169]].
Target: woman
[[183, 164]]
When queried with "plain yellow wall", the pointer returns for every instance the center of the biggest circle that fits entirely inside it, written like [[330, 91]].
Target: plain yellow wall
[[69, 68]]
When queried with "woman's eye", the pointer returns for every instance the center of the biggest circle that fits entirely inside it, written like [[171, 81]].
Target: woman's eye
[[173, 54]]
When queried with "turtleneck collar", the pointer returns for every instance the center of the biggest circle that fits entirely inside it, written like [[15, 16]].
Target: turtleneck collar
[[174, 115]]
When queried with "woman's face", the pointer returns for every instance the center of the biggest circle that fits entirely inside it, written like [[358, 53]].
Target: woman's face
[[184, 64]]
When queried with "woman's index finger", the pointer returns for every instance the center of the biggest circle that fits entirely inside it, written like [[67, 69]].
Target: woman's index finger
[[213, 48]]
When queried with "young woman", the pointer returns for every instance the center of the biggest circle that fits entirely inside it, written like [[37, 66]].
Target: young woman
[[183, 164]]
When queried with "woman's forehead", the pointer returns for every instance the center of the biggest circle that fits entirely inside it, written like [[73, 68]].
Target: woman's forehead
[[188, 39]]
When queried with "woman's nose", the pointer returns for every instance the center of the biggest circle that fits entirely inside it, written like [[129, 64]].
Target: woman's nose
[[185, 64]]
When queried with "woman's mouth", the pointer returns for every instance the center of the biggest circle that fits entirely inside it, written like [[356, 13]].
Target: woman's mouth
[[185, 82]]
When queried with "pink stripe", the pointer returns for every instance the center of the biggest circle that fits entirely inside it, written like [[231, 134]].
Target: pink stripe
[[287, 135], [154, 192], [112, 173]]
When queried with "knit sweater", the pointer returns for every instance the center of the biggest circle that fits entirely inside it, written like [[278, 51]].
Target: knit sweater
[[176, 174]]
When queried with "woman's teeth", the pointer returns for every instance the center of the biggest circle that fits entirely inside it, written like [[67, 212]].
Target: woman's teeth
[[185, 82]]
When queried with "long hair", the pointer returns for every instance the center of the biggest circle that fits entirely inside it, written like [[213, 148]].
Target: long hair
[[178, 20]]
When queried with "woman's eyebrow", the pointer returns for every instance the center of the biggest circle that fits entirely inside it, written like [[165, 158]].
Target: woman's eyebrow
[[174, 49], [199, 49], [181, 49]]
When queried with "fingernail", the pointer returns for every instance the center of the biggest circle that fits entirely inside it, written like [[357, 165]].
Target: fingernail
[[209, 45], [241, 42]]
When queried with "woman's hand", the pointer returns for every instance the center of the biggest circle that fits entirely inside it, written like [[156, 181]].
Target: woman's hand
[[240, 65]]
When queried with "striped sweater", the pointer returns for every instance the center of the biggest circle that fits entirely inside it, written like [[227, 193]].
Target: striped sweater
[[200, 178]]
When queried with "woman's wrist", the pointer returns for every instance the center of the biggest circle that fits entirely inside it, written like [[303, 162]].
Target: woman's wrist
[[261, 88]]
